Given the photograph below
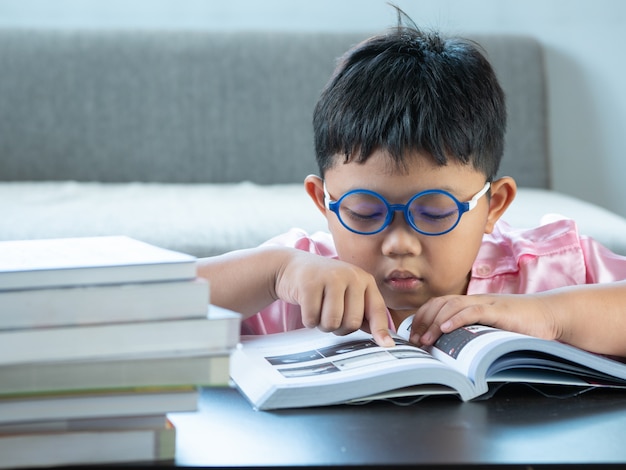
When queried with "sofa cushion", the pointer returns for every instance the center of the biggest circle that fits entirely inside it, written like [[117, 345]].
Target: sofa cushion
[[208, 219], [205, 106], [198, 219]]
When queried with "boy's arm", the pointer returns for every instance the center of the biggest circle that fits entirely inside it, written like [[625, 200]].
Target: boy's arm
[[591, 317], [242, 280], [333, 295]]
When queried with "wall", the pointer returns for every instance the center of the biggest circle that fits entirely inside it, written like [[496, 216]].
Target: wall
[[584, 42]]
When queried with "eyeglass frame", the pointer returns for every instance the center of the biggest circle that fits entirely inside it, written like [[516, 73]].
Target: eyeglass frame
[[463, 207]]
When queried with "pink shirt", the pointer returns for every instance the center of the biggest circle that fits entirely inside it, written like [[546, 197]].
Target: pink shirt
[[509, 261]]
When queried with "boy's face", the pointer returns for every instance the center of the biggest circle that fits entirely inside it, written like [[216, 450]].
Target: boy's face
[[410, 267]]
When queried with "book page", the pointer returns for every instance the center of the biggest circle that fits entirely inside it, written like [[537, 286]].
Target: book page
[[485, 354], [308, 367], [463, 348], [310, 353]]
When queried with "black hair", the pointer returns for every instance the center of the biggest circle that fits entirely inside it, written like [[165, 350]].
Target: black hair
[[408, 90]]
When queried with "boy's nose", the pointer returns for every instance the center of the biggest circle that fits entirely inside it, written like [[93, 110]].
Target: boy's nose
[[400, 239]]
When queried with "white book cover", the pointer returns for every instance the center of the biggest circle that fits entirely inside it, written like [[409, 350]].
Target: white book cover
[[28, 264]]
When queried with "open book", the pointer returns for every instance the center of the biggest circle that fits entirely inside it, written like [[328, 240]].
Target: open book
[[307, 367]]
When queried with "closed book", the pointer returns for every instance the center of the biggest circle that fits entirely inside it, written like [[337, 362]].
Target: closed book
[[144, 401], [201, 368], [30, 264], [84, 305], [151, 421], [89, 446], [217, 331]]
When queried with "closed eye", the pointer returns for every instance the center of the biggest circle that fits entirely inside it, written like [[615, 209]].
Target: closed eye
[[437, 215], [364, 216]]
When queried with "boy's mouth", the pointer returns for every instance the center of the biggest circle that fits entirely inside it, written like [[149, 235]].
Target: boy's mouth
[[403, 280]]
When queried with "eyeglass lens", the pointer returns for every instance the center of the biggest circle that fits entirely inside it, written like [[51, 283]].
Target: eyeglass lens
[[431, 213]]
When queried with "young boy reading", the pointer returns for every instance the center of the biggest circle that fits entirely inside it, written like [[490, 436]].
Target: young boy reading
[[409, 134]]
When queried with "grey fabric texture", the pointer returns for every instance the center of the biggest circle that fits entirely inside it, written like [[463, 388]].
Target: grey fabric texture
[[204, 106]]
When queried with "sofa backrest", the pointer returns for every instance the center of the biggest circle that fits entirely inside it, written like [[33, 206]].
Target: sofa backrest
[[204, 106]]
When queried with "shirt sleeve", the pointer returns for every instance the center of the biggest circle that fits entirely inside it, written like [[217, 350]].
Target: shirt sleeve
[[602, 264], [546, 257]]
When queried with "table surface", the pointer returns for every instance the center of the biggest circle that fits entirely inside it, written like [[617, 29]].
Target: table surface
[[517, 426]]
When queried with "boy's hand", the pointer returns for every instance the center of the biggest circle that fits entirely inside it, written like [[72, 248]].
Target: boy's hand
[[334, 296], [527, 314]]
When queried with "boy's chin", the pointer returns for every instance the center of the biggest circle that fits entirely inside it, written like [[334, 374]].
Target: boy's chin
[[402, 309], [403, 304]]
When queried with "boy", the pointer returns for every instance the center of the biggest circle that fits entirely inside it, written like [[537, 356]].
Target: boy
[[409, 134]]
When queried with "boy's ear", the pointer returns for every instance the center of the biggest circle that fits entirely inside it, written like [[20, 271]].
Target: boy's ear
[[314, 186], [503, 191]]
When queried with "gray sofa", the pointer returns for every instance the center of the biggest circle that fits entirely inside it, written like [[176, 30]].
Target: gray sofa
[[199, 141]]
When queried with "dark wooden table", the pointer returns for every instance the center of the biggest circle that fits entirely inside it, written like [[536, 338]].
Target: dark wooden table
[[516, 427]]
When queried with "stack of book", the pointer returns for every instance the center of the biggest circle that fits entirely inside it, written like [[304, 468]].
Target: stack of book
[[101, 338]]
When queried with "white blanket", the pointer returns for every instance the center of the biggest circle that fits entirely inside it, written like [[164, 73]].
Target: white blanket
[[208, 219]]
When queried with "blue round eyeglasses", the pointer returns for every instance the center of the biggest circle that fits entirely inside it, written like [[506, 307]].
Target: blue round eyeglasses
[[430, 212]]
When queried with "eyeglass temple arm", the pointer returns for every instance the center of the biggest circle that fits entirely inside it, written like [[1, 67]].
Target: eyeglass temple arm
[[472, 202], [326, 197]]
